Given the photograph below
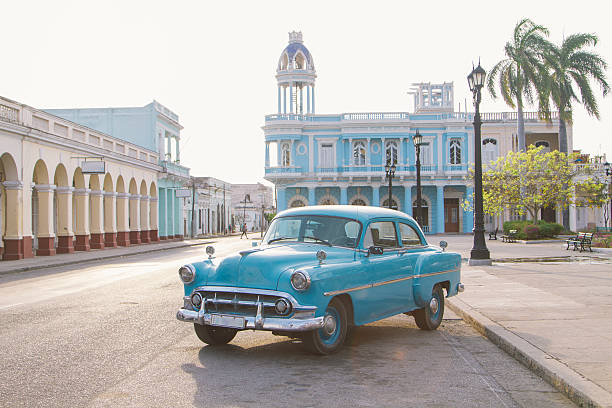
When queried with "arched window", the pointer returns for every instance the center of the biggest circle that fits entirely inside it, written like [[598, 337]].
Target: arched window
[[385, 204], [297, 203], [358, 201], [455, 151], [327, 201], [359, 154], [300, 61], [285, 155], [391, 152], [284, 62], [424, 213], [543, 143], [489, 150]]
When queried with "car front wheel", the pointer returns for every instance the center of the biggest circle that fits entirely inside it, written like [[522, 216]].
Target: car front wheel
[[430, 317], [331, 336], [214, 335]]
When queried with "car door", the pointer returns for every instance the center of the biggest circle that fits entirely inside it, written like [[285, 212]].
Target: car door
[[389, 276], [413, 245]]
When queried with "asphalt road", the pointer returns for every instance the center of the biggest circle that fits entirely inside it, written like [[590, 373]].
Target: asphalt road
[[105, 334]]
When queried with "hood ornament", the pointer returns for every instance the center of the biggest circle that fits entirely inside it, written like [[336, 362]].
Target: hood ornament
[[321, 256]]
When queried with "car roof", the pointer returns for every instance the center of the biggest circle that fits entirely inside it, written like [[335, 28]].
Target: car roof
[[358, 212]]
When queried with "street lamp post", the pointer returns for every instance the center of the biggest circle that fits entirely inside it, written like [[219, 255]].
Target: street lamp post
[[480, 253], [609, 173], [389, 174], [417, 139]]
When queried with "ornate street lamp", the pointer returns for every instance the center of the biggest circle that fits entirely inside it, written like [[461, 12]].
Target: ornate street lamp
[[417, 139], [389, 174], [609, 173], [480, 253]]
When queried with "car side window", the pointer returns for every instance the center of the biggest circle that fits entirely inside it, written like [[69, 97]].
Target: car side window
[[381, 234], [409, 236]]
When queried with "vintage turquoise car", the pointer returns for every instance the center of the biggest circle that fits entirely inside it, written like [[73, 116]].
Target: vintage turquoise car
[[318, 271]]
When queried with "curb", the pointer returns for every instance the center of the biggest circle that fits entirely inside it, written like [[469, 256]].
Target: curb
[[576, 387], [99, 258]]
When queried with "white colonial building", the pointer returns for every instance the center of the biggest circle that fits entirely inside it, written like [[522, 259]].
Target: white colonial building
[[50, 204], [250, 204]]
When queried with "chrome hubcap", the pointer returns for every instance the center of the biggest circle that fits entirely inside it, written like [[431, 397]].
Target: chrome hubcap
[[433, 305], [329, 325]]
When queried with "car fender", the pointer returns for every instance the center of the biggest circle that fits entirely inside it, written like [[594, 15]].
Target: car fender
[[432, 268]]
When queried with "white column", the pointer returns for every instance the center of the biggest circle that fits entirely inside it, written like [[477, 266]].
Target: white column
[[313, 99], [291, 97], [178, 151], [279, 99]]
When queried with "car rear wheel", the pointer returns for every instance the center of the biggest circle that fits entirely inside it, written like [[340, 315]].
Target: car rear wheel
[[430, 317], [330, 338], [214, 335]]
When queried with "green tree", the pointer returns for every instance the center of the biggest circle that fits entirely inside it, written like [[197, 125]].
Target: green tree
[[526, 182], [571, 69], [519, 76]]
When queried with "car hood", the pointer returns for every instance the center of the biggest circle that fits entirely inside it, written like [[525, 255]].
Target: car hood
[[260, 267]]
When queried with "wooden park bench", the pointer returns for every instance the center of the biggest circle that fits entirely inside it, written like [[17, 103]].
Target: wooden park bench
[[493, 235], [582, 241], [511, 237]]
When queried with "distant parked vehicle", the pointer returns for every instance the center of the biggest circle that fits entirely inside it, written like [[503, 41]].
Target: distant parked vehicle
[[318, 271]]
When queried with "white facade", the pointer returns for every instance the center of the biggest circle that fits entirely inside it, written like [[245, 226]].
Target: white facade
[[250, 204]]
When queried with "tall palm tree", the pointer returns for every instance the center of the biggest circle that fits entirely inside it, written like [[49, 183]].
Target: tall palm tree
[[571, 70], [519, 76]]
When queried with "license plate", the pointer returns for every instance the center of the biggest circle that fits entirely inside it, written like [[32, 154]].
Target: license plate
[[234, 322]]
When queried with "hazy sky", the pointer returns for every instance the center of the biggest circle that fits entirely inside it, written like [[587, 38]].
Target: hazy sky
[[213, 62]]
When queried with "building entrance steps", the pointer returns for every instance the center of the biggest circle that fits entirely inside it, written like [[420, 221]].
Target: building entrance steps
[[551, 316]]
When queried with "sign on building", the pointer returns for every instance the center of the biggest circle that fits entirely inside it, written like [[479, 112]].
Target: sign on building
[[93, 167], [183, 192]]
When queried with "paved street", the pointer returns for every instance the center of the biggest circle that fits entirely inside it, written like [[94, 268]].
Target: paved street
[[105, 334]]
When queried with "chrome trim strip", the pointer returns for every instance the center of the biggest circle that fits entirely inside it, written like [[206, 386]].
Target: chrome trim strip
[[392, 281], [371, 285], [268, 323]]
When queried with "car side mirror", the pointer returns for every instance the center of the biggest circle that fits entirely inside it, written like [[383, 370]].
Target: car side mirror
[[254, 244], [443, 245], [375, 250]]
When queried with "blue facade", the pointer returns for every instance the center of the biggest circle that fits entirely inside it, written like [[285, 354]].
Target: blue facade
[[340, 158], [154, 127]]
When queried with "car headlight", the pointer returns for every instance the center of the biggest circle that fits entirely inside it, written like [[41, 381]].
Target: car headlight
[[187, 273], [300, 280]]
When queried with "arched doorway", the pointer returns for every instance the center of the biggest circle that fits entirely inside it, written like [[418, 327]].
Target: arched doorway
[[13, 244], [96, 213], [134, 213], [144, 213], [424, 214], [42, 211], [394, 206], [110, 212], [123, 215], [153, 203], [80, 206]]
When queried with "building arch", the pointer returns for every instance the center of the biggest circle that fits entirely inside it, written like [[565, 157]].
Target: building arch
[[11, 231], [153, 206], [62, 211], [489, 150], [42, 210], [426, 214], [122, 218], [395, 201], [544, 144], [298, 201], [80, 213], [110, 217], [359, 153], [96, 212], [134, 212], [391, 152], [328, 199], [358, 199]]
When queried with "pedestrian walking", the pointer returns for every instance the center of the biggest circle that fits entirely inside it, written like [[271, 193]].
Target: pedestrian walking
[[244, 231]]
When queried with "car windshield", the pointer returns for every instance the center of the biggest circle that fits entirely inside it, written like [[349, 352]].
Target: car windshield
[[316, 229]]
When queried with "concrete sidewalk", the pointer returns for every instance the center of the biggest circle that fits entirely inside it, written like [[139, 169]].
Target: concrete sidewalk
[[39, 262], [554, 317]]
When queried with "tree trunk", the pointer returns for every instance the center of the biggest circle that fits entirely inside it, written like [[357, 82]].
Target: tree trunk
[[520, 123]]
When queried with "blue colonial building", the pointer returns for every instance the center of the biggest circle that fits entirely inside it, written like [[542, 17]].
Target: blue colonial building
[[154, 127], [340, 158]]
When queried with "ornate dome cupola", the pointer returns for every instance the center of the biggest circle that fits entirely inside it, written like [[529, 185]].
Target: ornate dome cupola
[[296, 78]]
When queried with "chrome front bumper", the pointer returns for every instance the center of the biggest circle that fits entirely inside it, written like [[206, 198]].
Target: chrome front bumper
[[256, 322]]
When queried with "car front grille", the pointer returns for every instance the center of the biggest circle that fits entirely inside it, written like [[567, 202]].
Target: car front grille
[[244, 304]]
